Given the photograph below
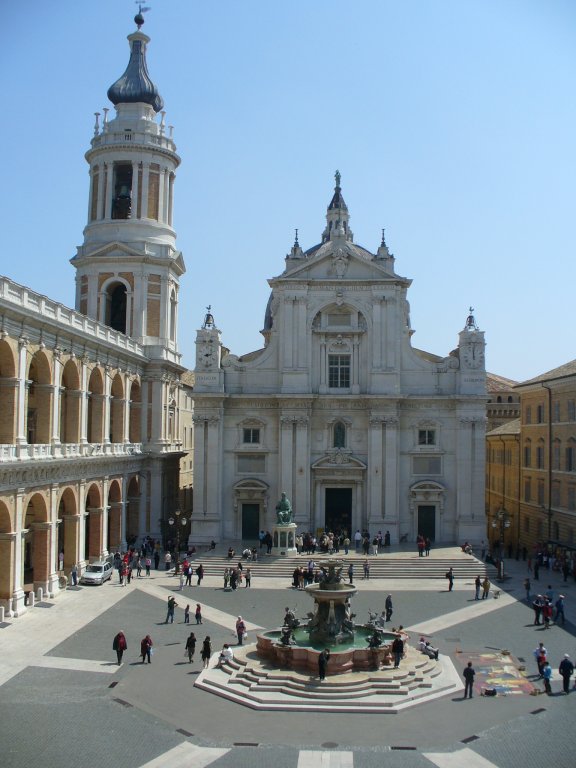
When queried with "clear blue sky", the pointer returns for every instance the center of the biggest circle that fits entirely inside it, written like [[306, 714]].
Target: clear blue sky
[[453, 123]]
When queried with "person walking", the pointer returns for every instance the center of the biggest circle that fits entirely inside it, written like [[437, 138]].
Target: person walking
[[485, 588], [527, 588], [198, 613], [191, 646], [547, 675], [156, 559], [366, 569], [146, 649], [537, 605], [566, 669], [389, 608], [427, 545], [559, 610], [540, 655], [206, 651], [171, 606], [240, 629], [167, 561], [469, 673], [74, 574], [120, 645], [450, 577], [248, 576], [200, 574], [477, 585], [323, 659], [187, 614], [397, 650], [148, 563], [350, 573]]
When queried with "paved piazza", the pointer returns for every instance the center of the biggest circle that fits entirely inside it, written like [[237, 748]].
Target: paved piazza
[[65, 703]]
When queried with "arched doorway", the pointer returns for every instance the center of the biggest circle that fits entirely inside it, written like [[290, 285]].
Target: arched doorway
[[36, 545], [39, 409], [96, 407], [117, 411], [426, 508], [68, 530], [116, 306], [135, 412], [8, 390], [114, 516], [70, 403], [133, 511], [93, 523]]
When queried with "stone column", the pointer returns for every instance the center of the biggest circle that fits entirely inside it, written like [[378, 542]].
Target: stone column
[[41, 556], [115, 525], [53, 575], [135, 185], [18, 606], [286, 459], [301, 490], [82, 525], [21, 436], [107, 401], [7, 575], [84, 401], [145, 180], [376, 472], [391, 470], [109, 191], [56, 398]]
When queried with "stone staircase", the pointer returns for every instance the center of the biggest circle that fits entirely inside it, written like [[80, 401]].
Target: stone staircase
[[401, 565], [254, 683]]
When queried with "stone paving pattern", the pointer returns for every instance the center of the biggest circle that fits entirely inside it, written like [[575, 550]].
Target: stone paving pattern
[[69, 718]]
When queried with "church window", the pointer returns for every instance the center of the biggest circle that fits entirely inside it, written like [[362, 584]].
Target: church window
[[527, 455], [571, 410], [251, 462], [116, 307], [339, 371], [94, 198], [540, 492], [426, 465], [251, 435], [527, 489], [570, 458], [572, 497], [122, 199], [339, 435], [540, 456], [528, 414], [556, 494], [556, 411], [540, 414], [426, 437], [153, 191], [556, 454]]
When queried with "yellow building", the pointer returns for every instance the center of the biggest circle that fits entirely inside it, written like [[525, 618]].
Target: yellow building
[[531, 468]]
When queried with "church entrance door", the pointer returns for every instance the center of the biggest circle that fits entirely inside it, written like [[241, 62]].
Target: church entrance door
[[250, 522], [338, 509], [427, 521]]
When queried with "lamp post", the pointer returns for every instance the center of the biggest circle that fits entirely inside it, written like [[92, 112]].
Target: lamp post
[[177, 521], [502, 521]]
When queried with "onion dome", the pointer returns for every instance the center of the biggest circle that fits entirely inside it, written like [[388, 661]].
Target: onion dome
[[135, 85]]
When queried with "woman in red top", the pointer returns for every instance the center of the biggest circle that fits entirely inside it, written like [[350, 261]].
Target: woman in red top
[[120, 645]]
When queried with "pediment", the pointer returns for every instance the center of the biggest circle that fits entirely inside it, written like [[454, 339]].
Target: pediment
[[116, 250], [338, 458], [338, 260]]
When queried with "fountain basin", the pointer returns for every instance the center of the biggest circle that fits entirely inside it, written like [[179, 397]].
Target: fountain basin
[[304, 657]]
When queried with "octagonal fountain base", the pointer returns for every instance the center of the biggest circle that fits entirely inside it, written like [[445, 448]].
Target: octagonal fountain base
[[257, 683]]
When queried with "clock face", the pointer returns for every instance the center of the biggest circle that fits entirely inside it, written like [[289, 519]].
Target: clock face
[[473, 355]]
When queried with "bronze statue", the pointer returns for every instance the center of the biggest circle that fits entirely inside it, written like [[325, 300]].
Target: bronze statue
[[283, 511]]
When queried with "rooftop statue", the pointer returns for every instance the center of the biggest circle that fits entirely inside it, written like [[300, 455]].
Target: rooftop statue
[[283, 511]]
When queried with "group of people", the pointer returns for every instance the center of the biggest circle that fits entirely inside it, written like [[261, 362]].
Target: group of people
[[546, 611], [423, 544], [481, 584], [565, 669], [234, 576], [120, 645]]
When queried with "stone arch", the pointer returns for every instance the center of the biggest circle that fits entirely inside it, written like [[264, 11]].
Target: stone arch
[[135, 412], [115, 296], [68, 522], [36, 543], [96, 406], [93, 523], [7, 547], [39, 404], [117, 405], [114, 515], [70, 403], [8, 393], [133, 502]]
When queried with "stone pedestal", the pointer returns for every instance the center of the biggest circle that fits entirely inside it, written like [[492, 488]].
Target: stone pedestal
[[284, 539]]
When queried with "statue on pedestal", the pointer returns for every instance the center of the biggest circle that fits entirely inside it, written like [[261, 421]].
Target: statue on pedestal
[[283, 511]]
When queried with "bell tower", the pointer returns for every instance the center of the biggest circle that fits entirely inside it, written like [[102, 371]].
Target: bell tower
[[128, 267]]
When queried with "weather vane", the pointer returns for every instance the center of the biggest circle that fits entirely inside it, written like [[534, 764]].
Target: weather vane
[[139, 18]]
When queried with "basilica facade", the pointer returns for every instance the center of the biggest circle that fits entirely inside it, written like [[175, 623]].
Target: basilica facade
[[95, 406], [338, 410]]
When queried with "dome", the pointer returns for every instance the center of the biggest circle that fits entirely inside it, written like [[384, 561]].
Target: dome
[[135, 84]]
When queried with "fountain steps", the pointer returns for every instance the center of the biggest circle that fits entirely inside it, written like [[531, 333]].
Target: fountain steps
[[381, 567], [255, 684]]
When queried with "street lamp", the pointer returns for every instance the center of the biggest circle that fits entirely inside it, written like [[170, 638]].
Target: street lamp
[[501, 520], [177, 522]]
